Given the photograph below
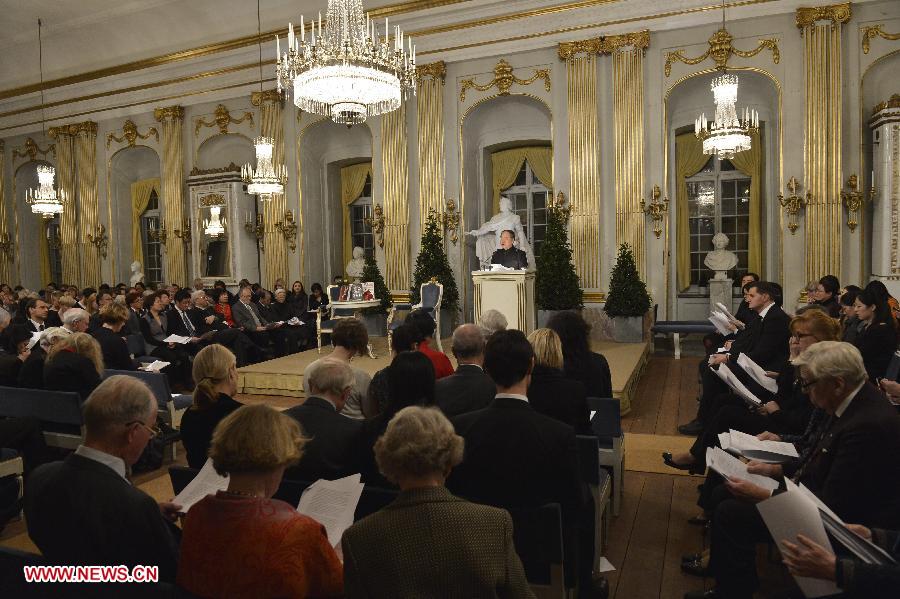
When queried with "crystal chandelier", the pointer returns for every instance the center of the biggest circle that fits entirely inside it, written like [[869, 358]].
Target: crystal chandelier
[[43, 199], [348, 72], [267, 179], [727, 134], [215, 225]]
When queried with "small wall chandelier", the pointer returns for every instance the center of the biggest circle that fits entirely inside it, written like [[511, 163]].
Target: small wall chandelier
[[348, 72], [727, 134], [43, 198], [267, 179]]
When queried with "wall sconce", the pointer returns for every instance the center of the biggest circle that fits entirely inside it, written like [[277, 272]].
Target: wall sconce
[[561, 205], [158, 235], [656, 209], [255, 229], [184, 233], [6, 245], [793, 203], [450, 220], [854, 200], [377, 223], [99, 239], [288, 228]]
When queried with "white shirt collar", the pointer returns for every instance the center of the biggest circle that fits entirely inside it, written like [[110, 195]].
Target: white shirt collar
[[513, 396], [475, 365], [37, 325], [117, 464], [839, 411], [766, 310]]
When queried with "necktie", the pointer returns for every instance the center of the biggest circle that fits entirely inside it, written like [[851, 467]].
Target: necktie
[[40, 327], [187, 324], [253, 314]]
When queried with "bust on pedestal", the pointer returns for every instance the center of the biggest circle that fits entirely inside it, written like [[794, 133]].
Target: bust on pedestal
[[356, 266], [721, 261]]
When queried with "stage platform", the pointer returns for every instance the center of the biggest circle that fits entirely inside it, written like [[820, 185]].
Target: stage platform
[[280, 381]]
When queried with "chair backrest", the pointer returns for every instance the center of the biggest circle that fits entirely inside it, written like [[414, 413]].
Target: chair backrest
[[157, 382], [56, 407], [11, 579], [334, 292], [587, 448], [607, 422], [893, 370], [538, 537], [431, 295]]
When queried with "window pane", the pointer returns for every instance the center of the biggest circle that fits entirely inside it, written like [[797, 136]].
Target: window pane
[[726, 165], [709, 167], [522, 177], [539, 200]]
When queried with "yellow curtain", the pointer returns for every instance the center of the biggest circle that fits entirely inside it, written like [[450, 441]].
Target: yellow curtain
[[140, 199], [353, 180], [750, 162], [44, 244], [506, 164], [689, 159]]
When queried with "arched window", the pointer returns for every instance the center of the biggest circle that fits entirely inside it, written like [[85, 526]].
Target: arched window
[[529, 200], [150, 226], [360, 225]]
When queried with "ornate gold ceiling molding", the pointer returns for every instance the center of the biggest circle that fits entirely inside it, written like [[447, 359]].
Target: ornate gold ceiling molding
[[31, 150], [435, 70], [639, 40], [269, 95], [222, 118], [131, 134], [721, 49], [836, 13], [868, 33], [168, 113], [73, 129], [232, 167], [503, 80]]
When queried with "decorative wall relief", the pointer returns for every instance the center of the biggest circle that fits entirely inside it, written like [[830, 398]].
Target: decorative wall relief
[[503, 80], [721, 49], [31, 150], [869, 33], [222, 119], [131, 134]]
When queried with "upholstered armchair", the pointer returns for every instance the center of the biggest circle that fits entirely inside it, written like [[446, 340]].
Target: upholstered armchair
[[326, 324], [431, 294]]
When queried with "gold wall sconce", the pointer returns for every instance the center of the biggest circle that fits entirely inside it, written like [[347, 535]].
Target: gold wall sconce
[[6, 246], [377, 222], [854, 200], [561, 205], [157, 234], [99, 239], [656, 209], [450, 220], [793, 203], [184, 233], [288, 228], [256, 229]]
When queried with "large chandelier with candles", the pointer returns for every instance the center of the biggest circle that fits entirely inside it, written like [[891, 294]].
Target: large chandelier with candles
[[346, 70], [43, 198], [727, 134]]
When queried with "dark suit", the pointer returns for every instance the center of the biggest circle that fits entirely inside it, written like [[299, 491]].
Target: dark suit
[[877, 344], [334, 447], [68, 371], [31, 374], [80, 511], [439, 546], [560, 398], [244, 350], [511, 258], [243, 317], [767, 340], [114, 348], [466, 390], [30, 326], [197, 428]]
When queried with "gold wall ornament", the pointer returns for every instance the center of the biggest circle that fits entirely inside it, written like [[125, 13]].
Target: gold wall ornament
[[131, 134], [158, 235], [570, 50], [222, 118], [893, 102], [560, 205], [6, 246], [31, 149], [184, 233], [168, 113], [435, 70], [836, 13], [232, 167], [269, 95], [854, 201], [656, 210], [377, 222], [256, 229], [503, 80], [793, 203], [721, 49], [868, 33], [450, 220], [639, 40], [288, 228], [213, 199], [99, 239]]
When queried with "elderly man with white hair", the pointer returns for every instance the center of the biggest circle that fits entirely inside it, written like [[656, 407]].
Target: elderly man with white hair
[[492, 321], [210, 325], [84, 510], [76, 320]]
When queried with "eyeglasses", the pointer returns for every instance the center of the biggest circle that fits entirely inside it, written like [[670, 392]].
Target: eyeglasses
[[154, 430], [804, 385]]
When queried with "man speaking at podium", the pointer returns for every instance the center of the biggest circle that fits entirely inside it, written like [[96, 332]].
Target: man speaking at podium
[[507, 255]]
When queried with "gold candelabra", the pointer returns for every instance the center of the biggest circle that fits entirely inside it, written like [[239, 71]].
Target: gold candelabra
[[99, 239], [450, 220], [793, 203], [159, 235], [854, 200], [656, 209], [6, 245], [256, 228], [184, 233], [288, 228], [377, 221]]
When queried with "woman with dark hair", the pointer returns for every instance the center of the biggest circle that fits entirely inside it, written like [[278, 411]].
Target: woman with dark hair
[[827, 295], [314, 302], [877, 338], [13, 353], [849, 321], [297, 297], [404, 338], [579, 362], [222, 307], [881, 292]]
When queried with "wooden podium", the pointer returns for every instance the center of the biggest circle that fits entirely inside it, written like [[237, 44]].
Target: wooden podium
[[509, 292]]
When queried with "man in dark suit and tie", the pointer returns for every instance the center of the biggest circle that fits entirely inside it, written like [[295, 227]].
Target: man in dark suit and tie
[[469, 388], [334, 447], [208, 324], [36, 312], [83, 510], [508, 255], [246, 315]]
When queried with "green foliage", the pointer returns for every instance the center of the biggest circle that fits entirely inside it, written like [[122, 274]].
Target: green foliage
[[372, 273], [432, 262], [557, 286], [627, 292]]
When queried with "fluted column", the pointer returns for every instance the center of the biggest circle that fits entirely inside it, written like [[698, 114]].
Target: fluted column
[[628, 124], [6, 251], [275, 259], [430, 114], [68, 220], [395, 172], [821, 31], [172, 120], [85, 138], [584, 158]]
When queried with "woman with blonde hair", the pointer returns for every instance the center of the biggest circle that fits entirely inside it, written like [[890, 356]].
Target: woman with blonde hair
[[111, 319], [74, 363], [550, 392], [215, 377], [242, 543]]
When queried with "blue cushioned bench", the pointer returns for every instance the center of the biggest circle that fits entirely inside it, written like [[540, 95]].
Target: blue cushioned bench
[[679, 328], [58, 411]]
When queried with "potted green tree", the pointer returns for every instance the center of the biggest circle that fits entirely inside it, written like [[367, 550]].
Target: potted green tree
[[432, 262], [557, 286], [628, 299], [376, 316]]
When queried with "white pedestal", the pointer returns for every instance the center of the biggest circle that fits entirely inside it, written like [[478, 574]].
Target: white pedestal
[[720, 291], [510, 293]]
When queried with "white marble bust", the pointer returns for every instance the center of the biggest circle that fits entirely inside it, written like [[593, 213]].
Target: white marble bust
[[357, 264], [720, 259], [487, 236], [137, 276]]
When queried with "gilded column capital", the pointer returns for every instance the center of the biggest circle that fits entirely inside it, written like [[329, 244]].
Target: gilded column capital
[[59, 131], [836, 13], [434, 70], [168, 113], [570, 50], [639, 40], [85, 127], [270, 95]]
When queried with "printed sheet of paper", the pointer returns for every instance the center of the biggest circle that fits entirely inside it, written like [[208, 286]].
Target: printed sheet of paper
[[207, 482], [730, 467], [177, 339], [774, 452], [721, 322], [732, 381], [726, 312], [154, 366], [757, 373], [332, 503]]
